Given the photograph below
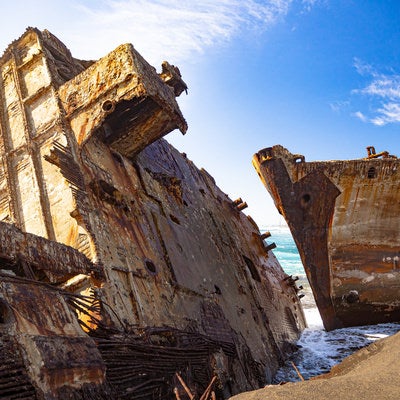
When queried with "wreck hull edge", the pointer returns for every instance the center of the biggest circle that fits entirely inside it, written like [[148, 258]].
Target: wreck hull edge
[[344, 217]]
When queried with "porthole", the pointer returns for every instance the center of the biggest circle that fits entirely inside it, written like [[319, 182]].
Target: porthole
[[108, 106], [371, 173], [299, 160], [150, 267], [305, 200], [352, 297]]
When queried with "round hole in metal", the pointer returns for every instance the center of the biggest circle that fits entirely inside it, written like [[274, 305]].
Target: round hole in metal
[[150, 267]]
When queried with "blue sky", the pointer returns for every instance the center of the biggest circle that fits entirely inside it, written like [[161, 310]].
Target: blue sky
[[320, 77]]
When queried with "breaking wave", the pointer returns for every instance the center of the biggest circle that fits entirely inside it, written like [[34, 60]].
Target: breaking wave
[[318, 350]]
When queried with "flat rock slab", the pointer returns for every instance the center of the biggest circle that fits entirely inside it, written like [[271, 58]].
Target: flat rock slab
[[371, 373]]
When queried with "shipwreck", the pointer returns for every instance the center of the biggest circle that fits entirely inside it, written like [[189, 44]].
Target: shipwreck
[[124, 271], [345, 219]]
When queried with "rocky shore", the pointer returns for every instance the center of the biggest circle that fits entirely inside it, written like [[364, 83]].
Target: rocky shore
[[370, 373]]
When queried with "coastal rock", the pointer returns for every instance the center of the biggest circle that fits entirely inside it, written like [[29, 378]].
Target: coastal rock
[[370, 373]]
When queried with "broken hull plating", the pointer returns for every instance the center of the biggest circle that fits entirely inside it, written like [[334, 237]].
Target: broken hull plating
[[345, 219]]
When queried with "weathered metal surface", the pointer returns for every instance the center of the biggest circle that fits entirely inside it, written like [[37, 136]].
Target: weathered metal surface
[[56, 350], [54, 261], [171, 75], [344, 217], [122, 100], [14, 380], [149, 369], [164, 246]]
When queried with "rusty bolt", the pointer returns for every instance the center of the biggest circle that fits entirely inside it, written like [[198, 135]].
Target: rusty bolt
[[270, 246], [241, 206], [237, 201], [265, 235]]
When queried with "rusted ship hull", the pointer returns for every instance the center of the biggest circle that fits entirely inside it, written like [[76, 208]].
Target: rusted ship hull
[[345, 219], [122, 263]]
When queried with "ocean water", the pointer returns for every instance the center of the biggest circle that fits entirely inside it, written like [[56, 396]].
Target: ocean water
[[318, 350], [289, 258]]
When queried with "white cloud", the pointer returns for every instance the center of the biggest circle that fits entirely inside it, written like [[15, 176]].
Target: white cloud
[[176, 30], [382, 88], [360, 116], [388, 114]]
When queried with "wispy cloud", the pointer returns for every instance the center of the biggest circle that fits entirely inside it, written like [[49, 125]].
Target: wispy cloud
[[386, 87], [384, 90], [338, 106], [387, 114], [360, 115], [363, 68], [175, 29], [309, 4]]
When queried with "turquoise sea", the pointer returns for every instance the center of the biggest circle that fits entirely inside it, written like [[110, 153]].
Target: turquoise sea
[[318, 350], [289, 258], [286, 250]]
